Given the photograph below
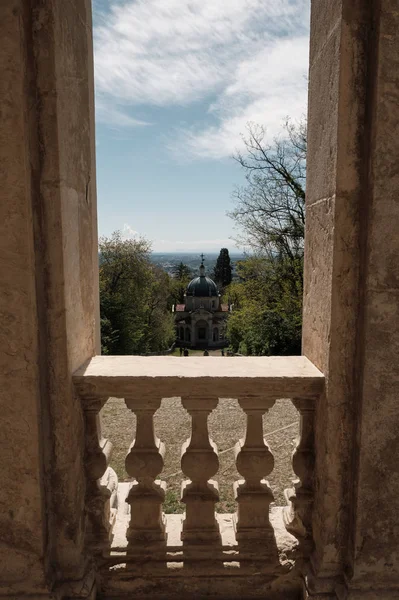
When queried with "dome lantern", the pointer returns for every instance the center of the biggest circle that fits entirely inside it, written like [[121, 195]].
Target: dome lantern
[[202, 286]]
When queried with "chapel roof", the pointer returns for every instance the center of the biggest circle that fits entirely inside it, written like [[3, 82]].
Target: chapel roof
[[202, 286]]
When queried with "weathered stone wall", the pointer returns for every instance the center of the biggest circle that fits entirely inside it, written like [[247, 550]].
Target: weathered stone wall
[[351, 295], [375, 556], [334, 190], [65, 222], [48, 250], [22, 499]]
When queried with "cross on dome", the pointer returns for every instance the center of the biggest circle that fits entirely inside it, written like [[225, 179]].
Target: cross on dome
[[202, 266]]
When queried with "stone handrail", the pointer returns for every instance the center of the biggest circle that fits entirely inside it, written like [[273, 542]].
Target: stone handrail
[[256, 382], [222, 377]]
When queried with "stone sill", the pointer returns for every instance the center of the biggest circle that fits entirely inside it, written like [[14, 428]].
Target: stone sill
[[170, 376]]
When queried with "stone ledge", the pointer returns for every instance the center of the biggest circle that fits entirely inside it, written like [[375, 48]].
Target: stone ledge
[[169, 376]]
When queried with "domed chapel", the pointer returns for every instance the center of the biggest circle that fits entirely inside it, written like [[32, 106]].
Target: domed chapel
[[201, 320]]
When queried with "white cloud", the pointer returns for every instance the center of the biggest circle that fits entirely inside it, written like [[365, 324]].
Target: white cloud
[[265, 89], [128, 232], [246, 58], [161, 245], [114, 115], [194, 245]]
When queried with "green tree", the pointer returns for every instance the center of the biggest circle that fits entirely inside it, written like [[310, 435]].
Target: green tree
[[134, 298], [222, 270], [266, 317], [181, 277], [161, 329], [270, 212], [267, 301], [181, 271]]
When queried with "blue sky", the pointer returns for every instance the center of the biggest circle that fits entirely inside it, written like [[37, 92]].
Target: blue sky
[[176, 83]]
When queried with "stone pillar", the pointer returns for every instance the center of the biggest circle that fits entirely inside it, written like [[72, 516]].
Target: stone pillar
[[144, 461], [98, 497], [200, 462], [254, 461], [48, 298], [351, 298], [298, 514]]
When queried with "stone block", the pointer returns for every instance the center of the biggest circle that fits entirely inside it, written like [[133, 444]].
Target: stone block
[[323, 121], [325, 19], [319, 248], [48, 314]]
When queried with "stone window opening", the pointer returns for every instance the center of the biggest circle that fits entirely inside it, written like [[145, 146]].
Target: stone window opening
[[56, 383]]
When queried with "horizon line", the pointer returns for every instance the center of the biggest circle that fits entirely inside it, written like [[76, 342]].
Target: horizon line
[[194, 252]]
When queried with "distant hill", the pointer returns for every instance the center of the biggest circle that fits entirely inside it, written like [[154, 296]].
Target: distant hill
[[168, 260]]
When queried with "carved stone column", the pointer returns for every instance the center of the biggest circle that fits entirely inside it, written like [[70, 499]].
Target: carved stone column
[[97, 456], [200, 462], [298, 515], [144, 462], [254, 461]]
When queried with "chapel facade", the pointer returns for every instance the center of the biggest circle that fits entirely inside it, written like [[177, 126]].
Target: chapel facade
[[201, 320]]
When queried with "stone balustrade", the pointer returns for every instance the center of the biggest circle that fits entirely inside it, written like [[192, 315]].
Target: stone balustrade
[[142, 382], [98, 453]]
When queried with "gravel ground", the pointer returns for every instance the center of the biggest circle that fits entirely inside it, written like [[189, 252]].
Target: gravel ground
[[226, 424]]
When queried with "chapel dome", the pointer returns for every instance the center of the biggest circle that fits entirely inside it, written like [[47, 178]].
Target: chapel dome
[[202, 286]]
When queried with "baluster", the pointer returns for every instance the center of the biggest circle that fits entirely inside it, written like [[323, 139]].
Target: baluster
[[97, 456], [200, 462], [144, 462], [298, 514], [254, 461]]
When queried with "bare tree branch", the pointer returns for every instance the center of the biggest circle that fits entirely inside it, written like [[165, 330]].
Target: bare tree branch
[[270, 209]]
